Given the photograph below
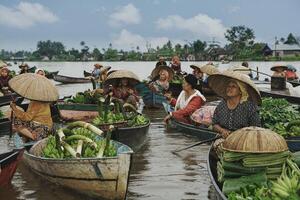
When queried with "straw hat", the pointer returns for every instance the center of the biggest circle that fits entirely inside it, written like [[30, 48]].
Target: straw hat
[[119, 74], [98, 65], [241, 69], [105, 69], [156, 70], [4, 68], [34, 87], [195, 67], [255, 140], [219, 81], [2, 64], [209, 69], [278, 66]]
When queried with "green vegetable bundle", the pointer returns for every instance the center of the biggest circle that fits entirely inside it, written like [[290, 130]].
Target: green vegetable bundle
[[138, 120], [1, 114], [86, 97], [79, 140], [280, 116]]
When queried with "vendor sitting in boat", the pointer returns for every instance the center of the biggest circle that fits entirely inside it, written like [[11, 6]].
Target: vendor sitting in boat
[[197, 72], [238, 108], [175, 64], [96, 71], [160, 79], [4, 78], [24, 68], [123, 82], [161, 62], [279, 70], [290, 73], [187, 102]]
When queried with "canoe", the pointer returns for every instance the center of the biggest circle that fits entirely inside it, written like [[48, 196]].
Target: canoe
[[134, 137], [77, 112], [104, 178], [6, 99], [212, 160], [69, 79], [5, 125], [8, 165], [150, 98], [189, 129], [86, 74], [50, 75], [285, 94]]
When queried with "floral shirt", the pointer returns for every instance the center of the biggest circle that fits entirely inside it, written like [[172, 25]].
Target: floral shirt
[[244, 115]]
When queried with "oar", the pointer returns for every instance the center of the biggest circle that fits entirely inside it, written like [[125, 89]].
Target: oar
[[197, 144]]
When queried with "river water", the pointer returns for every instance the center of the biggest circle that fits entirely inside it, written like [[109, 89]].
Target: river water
[[156, 173]]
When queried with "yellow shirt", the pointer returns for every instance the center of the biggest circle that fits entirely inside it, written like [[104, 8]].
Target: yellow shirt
[[37, 111]]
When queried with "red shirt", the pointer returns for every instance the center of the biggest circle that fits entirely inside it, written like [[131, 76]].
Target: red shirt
[[291, 75]]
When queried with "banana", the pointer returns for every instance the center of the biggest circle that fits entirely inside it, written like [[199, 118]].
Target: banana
[[281, 192]]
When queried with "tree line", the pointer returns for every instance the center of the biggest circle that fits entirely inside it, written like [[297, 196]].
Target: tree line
[[241, 46]]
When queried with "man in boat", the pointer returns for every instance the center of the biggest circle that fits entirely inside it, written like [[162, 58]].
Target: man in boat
[[238, 108], [188, 101], [175, 64], [24, 68], [160, 62], [4, 78], [245, 64], [160, 79]]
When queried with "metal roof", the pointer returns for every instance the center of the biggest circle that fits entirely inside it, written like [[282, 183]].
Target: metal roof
[[286, 47]]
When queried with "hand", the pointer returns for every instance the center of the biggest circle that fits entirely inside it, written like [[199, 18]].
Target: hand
[[225, 133], [167, 118], [168, 96], [130, 91]]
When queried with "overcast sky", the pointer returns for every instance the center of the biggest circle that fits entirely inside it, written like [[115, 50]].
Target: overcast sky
[[127, 24]]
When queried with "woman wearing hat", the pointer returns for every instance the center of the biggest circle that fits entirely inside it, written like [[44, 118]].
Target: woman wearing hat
[[163, 74], [96, 71], [175, 64], [160, 62], [189, 100], [24, 68], [238, 108], [4, 78]]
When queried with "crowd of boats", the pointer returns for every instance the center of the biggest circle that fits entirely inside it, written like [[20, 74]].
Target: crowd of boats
[[208, 103]]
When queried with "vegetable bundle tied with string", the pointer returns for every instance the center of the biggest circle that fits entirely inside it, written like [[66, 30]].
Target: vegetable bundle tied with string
[[80, 140]]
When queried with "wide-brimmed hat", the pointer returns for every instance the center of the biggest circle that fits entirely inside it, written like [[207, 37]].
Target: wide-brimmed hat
[[114, 77], [193, 66], [156, 70], [278, 66], [23, 65], [291, 68], [34, 87], [241, 69], [218, 83], [98, 65], [105, 69], [4, 68], [209, 69], [2, 64]]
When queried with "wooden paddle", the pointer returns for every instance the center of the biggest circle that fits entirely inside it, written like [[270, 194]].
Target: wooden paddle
[[197, 144]]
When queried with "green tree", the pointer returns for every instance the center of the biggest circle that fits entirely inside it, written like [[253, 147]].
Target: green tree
[[291, 39], [97, 54], [50, 49], [198, 48]]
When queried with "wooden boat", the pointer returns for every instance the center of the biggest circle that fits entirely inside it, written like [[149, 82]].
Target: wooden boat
[[50, 75], [105, 178], [294, 83], [285, 94], [6, 99], [69, 79], [86, 74], [212, 160], [150, 98], [134, 137], [5, 126], [8, 165], [189, 129], [75, 112]]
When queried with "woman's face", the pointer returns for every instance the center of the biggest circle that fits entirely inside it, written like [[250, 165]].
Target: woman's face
[[4, 73], [163, 75], [124, 81], [233, 89], [40, 72], [197, 73], [186, 86]]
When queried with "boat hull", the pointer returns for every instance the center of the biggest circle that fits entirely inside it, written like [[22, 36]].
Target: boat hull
[[280, 94], [105, 178], [5, 126], [70, 80], [6, 99], [8, 165]]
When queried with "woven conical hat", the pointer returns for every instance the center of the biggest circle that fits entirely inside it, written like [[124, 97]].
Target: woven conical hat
[[241, 69], [2, 64], [209, 69], [218, 83], [119, 74], [282, 66], [156, 70], [255, 140], [34, 87]]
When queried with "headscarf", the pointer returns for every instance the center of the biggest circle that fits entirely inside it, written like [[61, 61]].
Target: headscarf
[[243, 90], [38, 69], [4, 68]]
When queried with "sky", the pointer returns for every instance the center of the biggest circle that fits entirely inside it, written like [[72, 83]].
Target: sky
[[127, 24]]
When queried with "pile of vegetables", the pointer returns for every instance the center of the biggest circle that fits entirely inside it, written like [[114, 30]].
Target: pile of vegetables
[[280, 116], [79, 140], [86, 97], [1, 114], [265, 176], [177, 79]]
